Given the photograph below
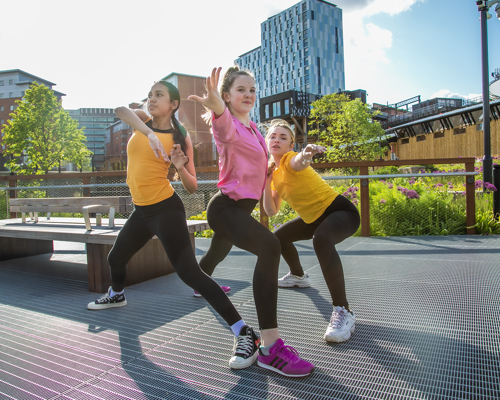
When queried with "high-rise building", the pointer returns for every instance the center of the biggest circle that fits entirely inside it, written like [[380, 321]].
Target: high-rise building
[[13, 85], [95, 121], [301, 49]]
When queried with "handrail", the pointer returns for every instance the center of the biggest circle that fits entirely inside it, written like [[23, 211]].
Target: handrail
[[363, 176], [85, 186], [214, 181]]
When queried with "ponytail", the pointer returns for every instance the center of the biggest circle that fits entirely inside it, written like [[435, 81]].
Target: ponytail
[[180, 133]]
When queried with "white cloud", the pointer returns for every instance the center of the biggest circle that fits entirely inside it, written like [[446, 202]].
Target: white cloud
[[445, 93], [366, 44]]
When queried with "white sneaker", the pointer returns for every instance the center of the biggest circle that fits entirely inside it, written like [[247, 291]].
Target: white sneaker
[[290, 280], [341, 325]]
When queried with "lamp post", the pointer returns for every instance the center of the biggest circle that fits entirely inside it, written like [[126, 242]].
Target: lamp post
[[483, 6]]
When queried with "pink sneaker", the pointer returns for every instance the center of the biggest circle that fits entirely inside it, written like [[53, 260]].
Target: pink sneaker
[[285, 361], [226, 289]]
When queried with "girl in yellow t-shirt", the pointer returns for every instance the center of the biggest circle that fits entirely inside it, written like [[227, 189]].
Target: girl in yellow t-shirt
[[324, 216], [157, 142]]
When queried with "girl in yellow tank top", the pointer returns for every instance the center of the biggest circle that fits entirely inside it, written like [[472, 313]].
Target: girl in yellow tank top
[[159, 140], [325, 216]]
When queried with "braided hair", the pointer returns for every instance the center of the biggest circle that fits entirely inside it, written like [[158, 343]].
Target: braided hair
[[180, 133]]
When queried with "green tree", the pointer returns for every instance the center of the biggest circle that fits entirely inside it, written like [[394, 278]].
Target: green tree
[[43, 133], [345, 127]]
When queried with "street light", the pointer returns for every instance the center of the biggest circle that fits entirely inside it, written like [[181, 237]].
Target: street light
[[483, 6]]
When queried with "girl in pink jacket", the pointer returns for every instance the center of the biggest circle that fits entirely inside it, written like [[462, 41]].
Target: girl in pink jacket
[[242, 179]]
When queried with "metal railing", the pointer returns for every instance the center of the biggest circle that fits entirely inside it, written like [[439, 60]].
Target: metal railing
[[80, 184]]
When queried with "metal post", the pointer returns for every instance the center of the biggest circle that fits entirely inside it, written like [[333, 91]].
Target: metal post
[[496, 195], [487, 160]]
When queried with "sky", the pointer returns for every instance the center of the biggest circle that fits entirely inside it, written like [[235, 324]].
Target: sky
[[108, 53]]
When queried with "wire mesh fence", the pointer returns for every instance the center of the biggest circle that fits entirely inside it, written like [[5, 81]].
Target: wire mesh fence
[[398, 206], [404, 205], [60, 186]]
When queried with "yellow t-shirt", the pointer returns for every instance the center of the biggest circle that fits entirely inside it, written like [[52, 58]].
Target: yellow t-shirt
[[146, 174], [306, 192]]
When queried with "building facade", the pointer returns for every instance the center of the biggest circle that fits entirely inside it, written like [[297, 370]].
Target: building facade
[[95, 122], [301, 49], [13, 85]]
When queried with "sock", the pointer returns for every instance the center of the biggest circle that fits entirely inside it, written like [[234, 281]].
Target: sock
[[236, 328], [113, 293], [265, 349]]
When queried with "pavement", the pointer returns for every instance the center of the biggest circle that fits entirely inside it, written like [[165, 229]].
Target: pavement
[[427, 327]]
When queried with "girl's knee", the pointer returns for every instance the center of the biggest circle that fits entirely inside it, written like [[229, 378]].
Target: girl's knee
[[322, 238], [270, 246]]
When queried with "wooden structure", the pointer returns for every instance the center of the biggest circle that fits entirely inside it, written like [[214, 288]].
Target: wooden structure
[[364, 184], [18, 239], [457, 133], [108, 205]]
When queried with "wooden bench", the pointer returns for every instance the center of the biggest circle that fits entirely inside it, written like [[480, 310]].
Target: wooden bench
[[99, 205], [19, 238]]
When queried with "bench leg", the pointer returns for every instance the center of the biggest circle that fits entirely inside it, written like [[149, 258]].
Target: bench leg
[[17, 247], [148, 263]]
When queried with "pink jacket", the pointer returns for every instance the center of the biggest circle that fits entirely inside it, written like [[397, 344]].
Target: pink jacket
[[242, 157]]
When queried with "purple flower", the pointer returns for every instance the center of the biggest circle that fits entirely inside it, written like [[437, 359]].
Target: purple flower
[[400, 188], [479, 184], [489, 187], [411, 181], [390, 185], [438, 185], [412, 194], [383, 201], [381, 180], [345, 194], [406, 191], [355, 202]]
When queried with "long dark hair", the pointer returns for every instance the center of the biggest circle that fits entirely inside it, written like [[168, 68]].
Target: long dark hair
[[180, 132]]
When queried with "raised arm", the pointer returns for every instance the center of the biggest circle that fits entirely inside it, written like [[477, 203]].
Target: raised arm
[[185, 165], [136, 119], [212, 99], [302, 160]]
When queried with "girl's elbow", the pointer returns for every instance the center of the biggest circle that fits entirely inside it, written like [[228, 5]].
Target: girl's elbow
[[119, 111]]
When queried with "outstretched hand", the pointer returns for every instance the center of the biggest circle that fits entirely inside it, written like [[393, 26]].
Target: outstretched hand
[[311, 149], [179, 159], [157, 147], [212, 99]]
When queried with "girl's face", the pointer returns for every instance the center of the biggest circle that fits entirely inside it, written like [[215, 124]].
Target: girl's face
[[279, 141], [241, 96], [159, 103]]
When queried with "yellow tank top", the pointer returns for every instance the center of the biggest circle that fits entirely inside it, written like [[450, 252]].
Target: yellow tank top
[[305, 191], [146, 174]]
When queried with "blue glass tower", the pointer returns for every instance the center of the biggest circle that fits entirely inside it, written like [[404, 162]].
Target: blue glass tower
[[301, 49]]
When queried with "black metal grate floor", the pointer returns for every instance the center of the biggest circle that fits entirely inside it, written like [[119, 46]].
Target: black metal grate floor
[[428, 327]]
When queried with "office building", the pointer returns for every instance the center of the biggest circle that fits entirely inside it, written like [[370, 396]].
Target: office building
[[95, 121], [301, 50]]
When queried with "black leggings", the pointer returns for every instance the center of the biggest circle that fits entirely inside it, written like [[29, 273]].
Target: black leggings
[[167, 220], [233, 224], [339, 221]]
